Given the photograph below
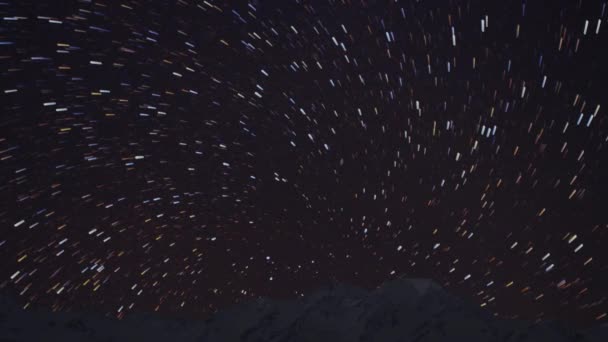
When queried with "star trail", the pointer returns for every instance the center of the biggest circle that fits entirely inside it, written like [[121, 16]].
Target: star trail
[[181, 156]]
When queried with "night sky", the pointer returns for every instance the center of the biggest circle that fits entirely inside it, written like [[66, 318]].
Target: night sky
[[182, 156]]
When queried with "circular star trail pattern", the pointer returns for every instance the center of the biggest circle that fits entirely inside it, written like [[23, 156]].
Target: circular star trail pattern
[[182, 156]]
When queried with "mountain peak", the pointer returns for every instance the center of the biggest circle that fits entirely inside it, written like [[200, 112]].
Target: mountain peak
[[404, 309]]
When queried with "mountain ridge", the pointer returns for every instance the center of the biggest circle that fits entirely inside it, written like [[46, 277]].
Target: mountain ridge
[[404, 309]]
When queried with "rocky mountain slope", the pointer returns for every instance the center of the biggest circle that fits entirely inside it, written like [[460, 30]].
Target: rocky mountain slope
[[400, 310]]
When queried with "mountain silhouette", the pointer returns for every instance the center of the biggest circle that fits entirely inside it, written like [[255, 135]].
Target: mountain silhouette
[[400, 310]]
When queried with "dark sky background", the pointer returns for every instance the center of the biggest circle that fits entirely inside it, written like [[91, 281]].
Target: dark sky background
[[182, 156]]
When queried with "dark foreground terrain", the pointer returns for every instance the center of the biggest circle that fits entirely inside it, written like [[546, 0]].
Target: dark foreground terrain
[[400, 310]]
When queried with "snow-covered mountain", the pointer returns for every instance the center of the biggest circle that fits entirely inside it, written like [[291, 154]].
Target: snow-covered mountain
[[399, 310]]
